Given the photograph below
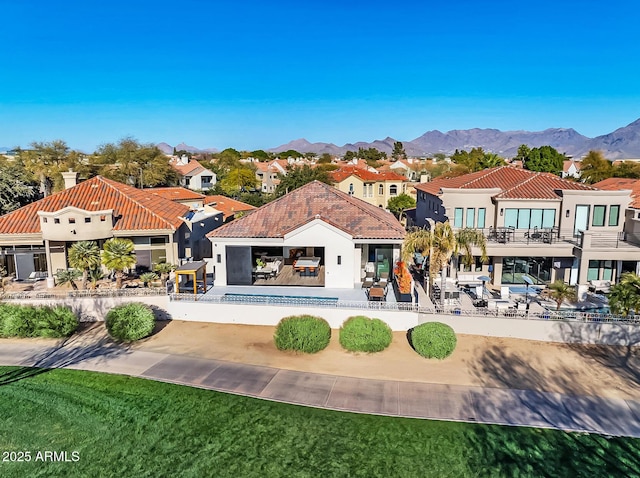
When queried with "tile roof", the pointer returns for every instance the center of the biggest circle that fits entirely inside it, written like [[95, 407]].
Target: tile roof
[[227, 206], [192, 168], [176, 193], [618, 184], [515, 183], [134, 209], [315, 200], [344, 172]]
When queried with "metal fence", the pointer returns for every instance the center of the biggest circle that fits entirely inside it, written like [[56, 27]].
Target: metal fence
[[407, 307], [81, 294]]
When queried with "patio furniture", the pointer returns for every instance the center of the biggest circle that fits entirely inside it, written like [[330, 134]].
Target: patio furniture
[[384, 279], [377, 293], [600, 286], [307, 266]]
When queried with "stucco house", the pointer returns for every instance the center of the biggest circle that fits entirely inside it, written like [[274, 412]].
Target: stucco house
[[36, 237], [536, 224], [338, 232], [193, 175], [373, 187]]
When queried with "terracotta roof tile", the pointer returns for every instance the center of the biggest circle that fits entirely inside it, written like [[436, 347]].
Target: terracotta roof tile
[[618, 184], [346, 171], [177, 193], [315, 200], [135, 209], [227, 206], [515, 183], [192, 168]]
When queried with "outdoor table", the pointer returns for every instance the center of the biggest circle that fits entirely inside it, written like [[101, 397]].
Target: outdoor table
[[377, 293], [306, 265]]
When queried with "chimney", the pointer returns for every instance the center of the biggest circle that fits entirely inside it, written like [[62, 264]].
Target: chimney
[[70, 178]]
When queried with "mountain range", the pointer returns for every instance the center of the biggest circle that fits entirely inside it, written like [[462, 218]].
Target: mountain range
[[623, 143]]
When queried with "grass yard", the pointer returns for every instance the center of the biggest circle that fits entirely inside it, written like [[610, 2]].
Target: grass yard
[[123, 426]]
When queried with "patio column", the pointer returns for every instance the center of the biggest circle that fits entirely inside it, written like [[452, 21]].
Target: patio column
[[51, 282]]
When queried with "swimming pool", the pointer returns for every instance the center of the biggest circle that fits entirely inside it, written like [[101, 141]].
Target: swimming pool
[[272, 297], [519, 289]]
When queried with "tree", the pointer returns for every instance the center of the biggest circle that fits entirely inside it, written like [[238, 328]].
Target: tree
[[133, 163], [164, 269], [95, 275], [399, 203], [260, 155], [68, 276], [290, 153], [627, 169], [148, 277], [441, 244], [624, 296], [371, 155], [298, 176], [118, 255], [544, 159], [46, 161], [325, 158], [559, 291], [84, 255], [16, 188], [238, 180], [523, 152], [491, 160], [398, 151], [595, 167]]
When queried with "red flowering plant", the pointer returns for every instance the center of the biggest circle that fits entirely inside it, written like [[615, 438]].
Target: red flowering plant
[[403, 277]]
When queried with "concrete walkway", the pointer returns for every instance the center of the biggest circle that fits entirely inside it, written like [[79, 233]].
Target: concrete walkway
[[384, 397]]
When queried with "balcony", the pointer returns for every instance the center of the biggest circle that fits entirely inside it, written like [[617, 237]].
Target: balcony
[[606, 240], [525, 237]]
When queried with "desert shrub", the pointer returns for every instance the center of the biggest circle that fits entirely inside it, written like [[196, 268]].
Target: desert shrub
[[130, 322], [362, 334], [30, 321], [302, 333], [433, 340]]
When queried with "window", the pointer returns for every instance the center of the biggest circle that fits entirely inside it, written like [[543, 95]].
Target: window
[[482, 212], [350, 189], [206, 179], [380, 189], [56, 220], [393, 190], [44, 219], [339, 260], [607, 270], [87, 219], [158, 240], [457, 217], [370, 190], [592, 272], [103, 218], [598, 215], [471, 217], [72, 220], [478, 264], [614, 215], [530, 218], [218, 258]]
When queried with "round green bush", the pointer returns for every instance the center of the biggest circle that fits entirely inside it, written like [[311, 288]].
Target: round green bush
[[302, 333], [29, 321], [362, 334], [130, 322], [433, 340]]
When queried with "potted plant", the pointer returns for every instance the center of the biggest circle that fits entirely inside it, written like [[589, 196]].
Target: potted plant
[[260, 263]]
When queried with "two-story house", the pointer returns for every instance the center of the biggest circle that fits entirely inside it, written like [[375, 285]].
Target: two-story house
[[536, 224], [193, 175], [374, 187]]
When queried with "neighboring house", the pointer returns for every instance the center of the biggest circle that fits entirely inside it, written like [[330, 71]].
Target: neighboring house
[[570, 169], [182, 195], [413, 169], [268, 174], [374, 187], [342, 233], [536, 224], [37, 237], [193, 175]]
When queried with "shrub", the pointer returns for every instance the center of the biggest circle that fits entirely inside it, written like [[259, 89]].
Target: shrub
[[303, 333], [130, 322], [29, 321], [433, 340], [362, 334]]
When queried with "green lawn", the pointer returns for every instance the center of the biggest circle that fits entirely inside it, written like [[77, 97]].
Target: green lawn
[[124, 426]]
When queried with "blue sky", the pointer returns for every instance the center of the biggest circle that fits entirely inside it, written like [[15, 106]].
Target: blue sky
[[255, 74]]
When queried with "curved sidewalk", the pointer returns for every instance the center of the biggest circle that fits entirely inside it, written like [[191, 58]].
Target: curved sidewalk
[[384, 397]]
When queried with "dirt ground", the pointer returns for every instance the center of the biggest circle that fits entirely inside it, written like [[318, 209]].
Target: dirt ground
[[481, 361]]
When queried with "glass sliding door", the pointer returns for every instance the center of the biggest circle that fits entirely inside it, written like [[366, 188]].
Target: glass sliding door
[[582, 220]]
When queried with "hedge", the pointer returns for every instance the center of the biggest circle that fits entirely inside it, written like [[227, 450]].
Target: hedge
[[130, 322], [362, 334], [302, 333], [433, 340], [43, 321]]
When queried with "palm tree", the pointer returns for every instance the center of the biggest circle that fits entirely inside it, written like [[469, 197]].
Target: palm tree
[[68, 276], [164, 269], [559, 291], [95, 275], [625, 295], [441, 244], [148, 277], [84, 255], [117, 255]]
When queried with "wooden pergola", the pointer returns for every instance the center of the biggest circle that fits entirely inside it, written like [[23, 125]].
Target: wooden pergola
[[196, 273]]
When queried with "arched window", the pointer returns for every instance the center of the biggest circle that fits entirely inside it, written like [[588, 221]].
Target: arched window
[[393, 190], [351, 189]]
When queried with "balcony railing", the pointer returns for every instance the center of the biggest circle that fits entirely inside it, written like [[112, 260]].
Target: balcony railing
[[535, 236]]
